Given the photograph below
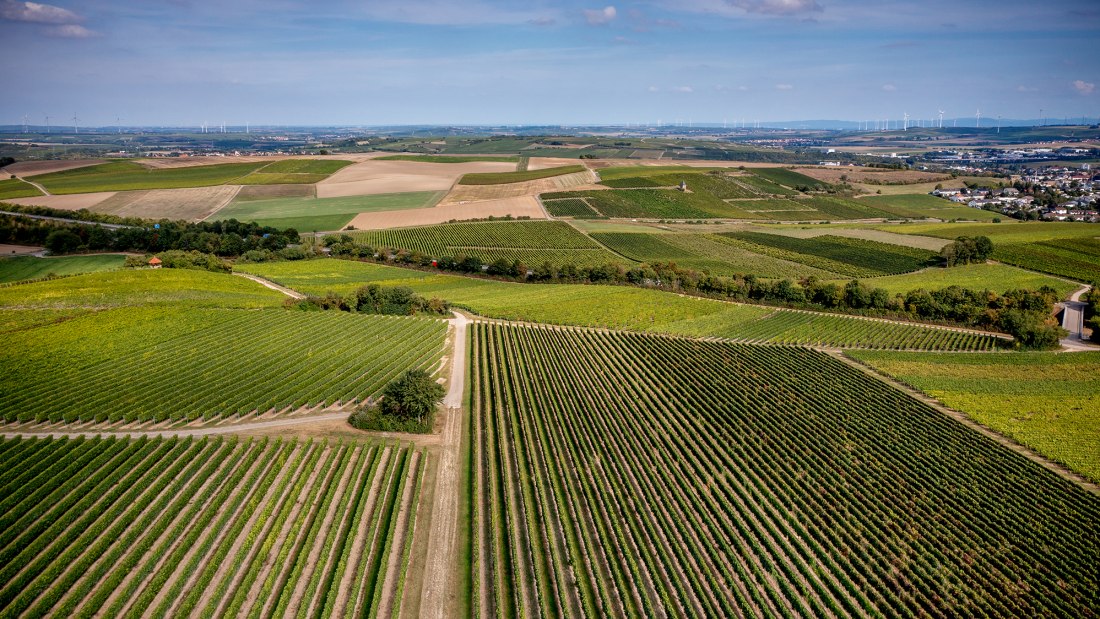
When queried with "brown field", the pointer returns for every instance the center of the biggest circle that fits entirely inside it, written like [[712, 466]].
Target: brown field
[[31, 168], [19, 250], [268, 192], [690, 163], [462, 194], [72, 202], [542, 163], [871, 175], [191, 204], [374, 177], [523, 206]]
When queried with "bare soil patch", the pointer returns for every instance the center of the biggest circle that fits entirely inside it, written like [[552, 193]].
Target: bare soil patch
[[268, 192], [31, 168], [19, 250], [374, 177], [462, 194], [72, 202], [542, 163], [191, 204], [523, 206], [872, 175]]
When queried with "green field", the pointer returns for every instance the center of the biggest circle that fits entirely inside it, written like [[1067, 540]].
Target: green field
[[737, 480], [619, 307], [918, 206], [205, 527], [996, 277], [15, 188], [183, 364], [570, 207], [446, 158], [789, 178], [1047, 401], [166, 287], [305, 214], [501, 178], [1076, 258], [531, 242], [848, 257], [28, 267], [130, 175], [634, 172], [1007, 232]]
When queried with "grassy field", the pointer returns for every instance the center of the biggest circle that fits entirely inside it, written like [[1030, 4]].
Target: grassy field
[[501, 178], [207, 527], [789, 178], [294, 172], [617, 307], [28, 267], [1007, 232], [848, 257], [15, 188], [128, 175], [184, 363], [919, 206], [141, 287], [306, 214], [639, 476], [996, 277], [1047, 401], [447, 158]]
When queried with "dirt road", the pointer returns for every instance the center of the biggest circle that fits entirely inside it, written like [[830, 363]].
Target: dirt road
[[239, 428], [272, 285], [438, 597]]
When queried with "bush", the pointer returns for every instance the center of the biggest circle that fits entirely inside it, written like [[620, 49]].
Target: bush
[[63, 241], [407, 405]]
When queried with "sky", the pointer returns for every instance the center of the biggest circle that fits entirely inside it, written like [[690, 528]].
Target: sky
[[477, 62]]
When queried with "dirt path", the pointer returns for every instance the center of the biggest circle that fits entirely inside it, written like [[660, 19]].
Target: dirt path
[[439, 595], [182, 432], [272, 285], [45, 192], [965, 419]]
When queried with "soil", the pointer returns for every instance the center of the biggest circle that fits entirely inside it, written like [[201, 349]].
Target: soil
[[566, 182], [525, 206], [376, 177], [71, 202], [32, 168], [863, 175], [194, 204], [20, 250]]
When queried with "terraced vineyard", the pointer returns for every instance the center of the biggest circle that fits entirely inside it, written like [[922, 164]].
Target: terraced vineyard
[[846, 256], [203, 364], [531, 242], [205, 528], [622, 475]]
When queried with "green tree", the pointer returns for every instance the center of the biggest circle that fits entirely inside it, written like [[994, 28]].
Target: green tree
[[62, 241], [414, 395]]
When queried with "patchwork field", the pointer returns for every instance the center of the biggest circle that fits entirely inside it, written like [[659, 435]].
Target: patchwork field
[[872, 176], [918, 206], [15, 188], [524, 206], [191, 204], [624, 475], [375, 176], [306, 213], [34, 168], [501, 178], [1049, 402], [73, 202], [462, 194], [207, 527], [26, 267], [129, 175]]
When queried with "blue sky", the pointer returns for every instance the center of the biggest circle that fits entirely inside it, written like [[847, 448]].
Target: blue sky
[[182, 62]]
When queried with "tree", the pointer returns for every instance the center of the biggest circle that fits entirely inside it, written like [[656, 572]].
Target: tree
[[62, 241], [414, 395]]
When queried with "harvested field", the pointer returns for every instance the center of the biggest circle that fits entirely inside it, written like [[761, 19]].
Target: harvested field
[[378, 176], [542, 163], [882, 236], [190, 204], [71, 202], [872, 175], [522, 206], [474, 193], [269, 192], [19, 250], [30, 168], [162, 163]]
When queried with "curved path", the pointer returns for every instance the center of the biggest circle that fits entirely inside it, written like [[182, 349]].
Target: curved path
[[294, 294]]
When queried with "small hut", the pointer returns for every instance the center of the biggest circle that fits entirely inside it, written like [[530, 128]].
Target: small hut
[[683, 186], [154, 263]]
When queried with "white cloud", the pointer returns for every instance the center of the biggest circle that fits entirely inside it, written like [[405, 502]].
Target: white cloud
[[653, 89], [37, 13], [784, 87], [684, 89], [776, 7], [1022, 88], [600, 17], [1084, 87], [889, 87], [743, 88], [70, 31]]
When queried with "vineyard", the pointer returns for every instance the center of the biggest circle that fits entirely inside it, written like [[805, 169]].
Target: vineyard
[[570, 207], [30, 267], [531, 242], [845, 256], [156, 365], [205, 528], [622, 475], [501, 178], [1075, 258], [789, 178]]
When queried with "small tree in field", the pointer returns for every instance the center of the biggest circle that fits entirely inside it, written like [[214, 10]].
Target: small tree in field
[[406, 406]]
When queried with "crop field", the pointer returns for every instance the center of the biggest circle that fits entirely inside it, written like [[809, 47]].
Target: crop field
[[205, 528], [192, 204], [763, 186], [532, 242], [168, 287], [446, 158], [1049, 402], [1075, 258], [788, 178], [1006, 233], [270, 192], [620, 475], [28, 267], [502, 178], [322, 213], [996, 277], [656, 203], [157, 364], [922, 205], [294, 172], [842, 255], [622, 307], [15, 188], [704, 252], [570, 207], [127, 175]]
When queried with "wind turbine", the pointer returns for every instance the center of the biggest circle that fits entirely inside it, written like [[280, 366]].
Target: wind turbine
[[978, 116], [118, 123], [25, 117], [47, 123], [941, 119], [905, 115], [76, 124]]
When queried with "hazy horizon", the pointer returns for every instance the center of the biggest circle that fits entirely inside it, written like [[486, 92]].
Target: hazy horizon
[[489, 63]]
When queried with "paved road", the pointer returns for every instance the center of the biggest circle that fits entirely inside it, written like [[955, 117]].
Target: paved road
[[1073, 320]]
